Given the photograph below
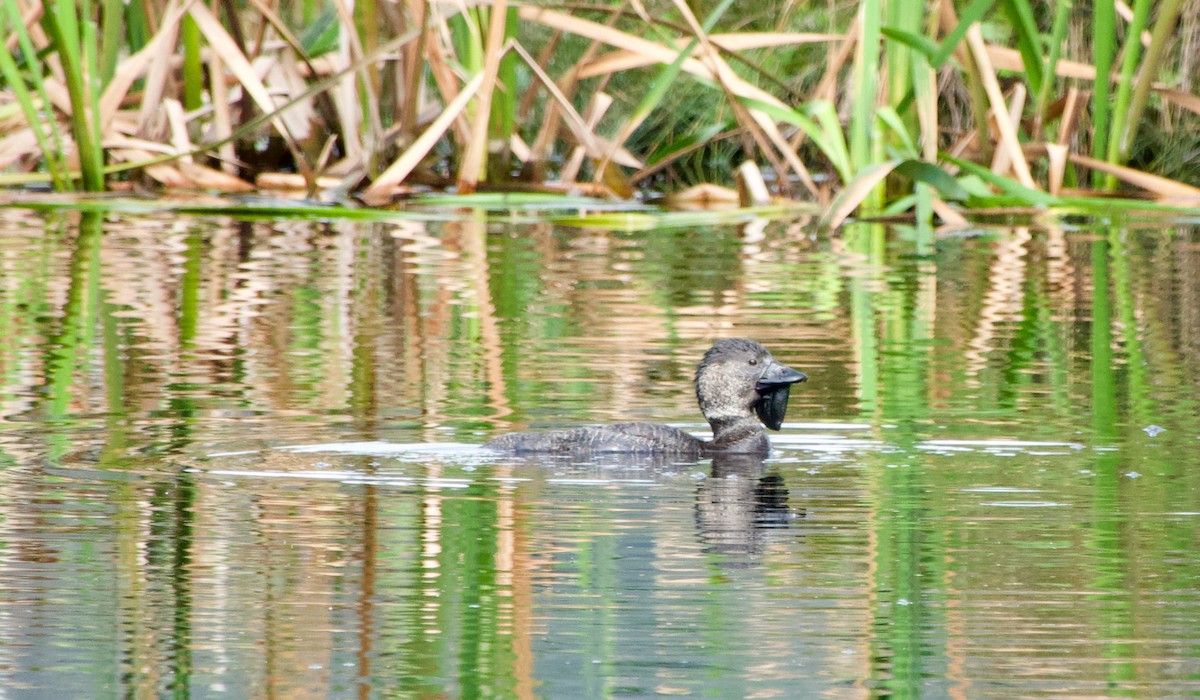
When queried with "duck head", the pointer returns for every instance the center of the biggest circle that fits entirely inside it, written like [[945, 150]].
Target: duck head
[[738, 378]]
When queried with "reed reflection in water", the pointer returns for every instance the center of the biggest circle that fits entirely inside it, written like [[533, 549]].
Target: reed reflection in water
[[993, 491]]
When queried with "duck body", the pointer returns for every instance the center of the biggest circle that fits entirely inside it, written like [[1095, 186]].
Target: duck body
[[631, 438], [740, 388]]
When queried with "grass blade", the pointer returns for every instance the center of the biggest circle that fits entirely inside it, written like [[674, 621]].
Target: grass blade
[[1186, 100], [652, 98], [578, 126], [1008, 130], [918, 42], [927, 173], [1056, 153], [1160, 186], [1104, 48], [822, 128], [1129, 62], [223, 44], [1005, 58], [865, 85], [900, 59], [193, 65], [379, 190], [1058, 32], [1164, 25], [1016, 190], [856, 192], [596, 108], [1002, 159], [891, 119], [52, 154], [974, 13], [618, 61], [113, 15], [70, 38], [474, 160], [1020, 14]]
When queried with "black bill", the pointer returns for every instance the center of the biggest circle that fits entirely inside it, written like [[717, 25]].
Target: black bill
[[773, 388]]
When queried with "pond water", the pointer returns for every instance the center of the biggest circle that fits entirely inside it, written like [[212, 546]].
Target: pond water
[[240, 459]]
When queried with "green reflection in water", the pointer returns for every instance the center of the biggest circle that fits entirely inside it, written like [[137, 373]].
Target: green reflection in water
[[892, 320], [1109, 529], [67, 346], [470, 598], [405, 587]]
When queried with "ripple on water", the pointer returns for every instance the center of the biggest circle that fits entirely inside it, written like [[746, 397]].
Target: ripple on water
[[921, 551]]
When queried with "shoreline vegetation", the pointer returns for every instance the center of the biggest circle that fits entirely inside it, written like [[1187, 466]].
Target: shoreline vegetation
[[928, 111]]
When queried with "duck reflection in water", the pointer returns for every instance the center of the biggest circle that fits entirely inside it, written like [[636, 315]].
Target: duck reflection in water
[[737, 380], [741, 503], [739, 508]]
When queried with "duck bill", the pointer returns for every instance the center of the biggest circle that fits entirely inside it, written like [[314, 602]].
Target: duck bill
[[774, 388]]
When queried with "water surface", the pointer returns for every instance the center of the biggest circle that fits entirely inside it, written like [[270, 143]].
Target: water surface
[[239, 459]]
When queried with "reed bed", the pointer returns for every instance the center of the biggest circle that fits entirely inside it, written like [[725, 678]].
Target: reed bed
[[884, 108]]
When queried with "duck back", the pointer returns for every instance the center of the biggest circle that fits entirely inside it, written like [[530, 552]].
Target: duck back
[[630, 438]]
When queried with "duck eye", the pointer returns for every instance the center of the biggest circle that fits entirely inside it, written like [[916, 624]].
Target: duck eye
[[754, 361]]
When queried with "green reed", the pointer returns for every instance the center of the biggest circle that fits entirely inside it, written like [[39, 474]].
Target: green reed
[[75, 41], [877, 112]]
